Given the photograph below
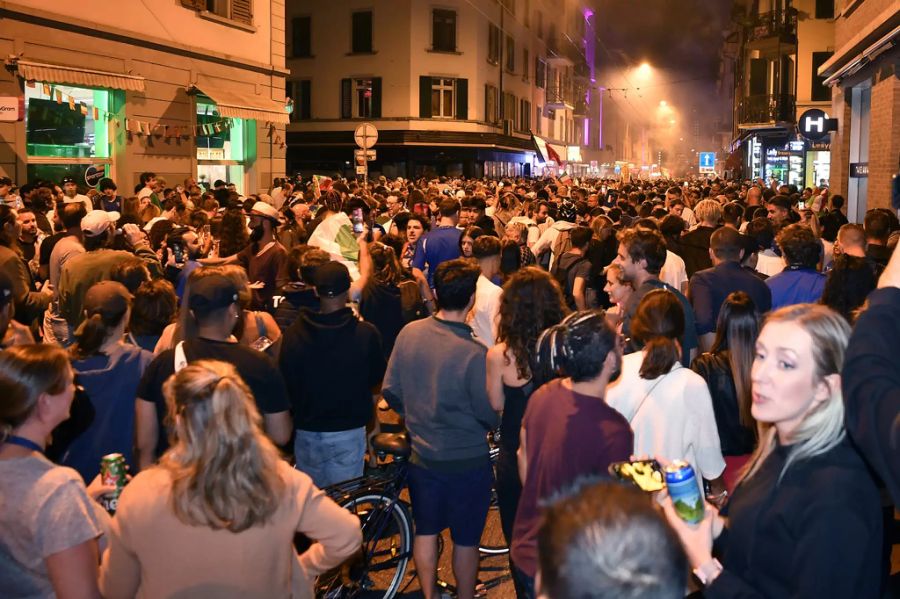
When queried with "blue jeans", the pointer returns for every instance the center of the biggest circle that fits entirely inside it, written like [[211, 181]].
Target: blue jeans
[[332, 457]]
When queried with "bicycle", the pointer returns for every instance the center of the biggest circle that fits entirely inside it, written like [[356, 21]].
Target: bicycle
[[493, 542], [379, 569]]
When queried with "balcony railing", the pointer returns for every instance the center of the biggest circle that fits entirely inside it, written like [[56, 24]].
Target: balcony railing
[[778, 24], [559, 97], [767, 108]]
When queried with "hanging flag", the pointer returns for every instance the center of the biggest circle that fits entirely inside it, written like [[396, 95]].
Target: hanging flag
[[71, 103], [29, 83], [58, 97], [84, 109], [46, 89], [96, 113]]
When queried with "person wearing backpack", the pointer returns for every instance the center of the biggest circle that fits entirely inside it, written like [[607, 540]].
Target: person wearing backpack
[[555, 241], [572, 270]]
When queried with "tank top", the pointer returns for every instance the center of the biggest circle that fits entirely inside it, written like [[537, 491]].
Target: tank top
[[515, 399]]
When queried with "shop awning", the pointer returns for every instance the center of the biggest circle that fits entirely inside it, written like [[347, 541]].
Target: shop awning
[[835, 73], [550, 152], [243, 106], [52, 73]]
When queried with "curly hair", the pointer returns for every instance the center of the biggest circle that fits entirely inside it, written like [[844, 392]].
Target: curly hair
[[233, 233], [531, 302]]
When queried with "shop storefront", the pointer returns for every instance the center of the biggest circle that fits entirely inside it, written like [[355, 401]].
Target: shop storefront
[[818, 163], [786, 164], [70, 117]]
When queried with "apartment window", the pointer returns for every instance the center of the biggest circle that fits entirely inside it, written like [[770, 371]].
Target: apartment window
[[510, 104], [361, 98], [510, 54], [443, 97], [824, 9], [526, 64], [493, 44], [819, 92], [540, 25], [443, 30], [537, 119], [524, 115], [362, 32], [540, 73], [300, 93], [235, 10], [301, 27], [491, 104]]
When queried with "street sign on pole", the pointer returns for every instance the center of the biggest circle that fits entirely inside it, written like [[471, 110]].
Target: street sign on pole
[[364, 154], [366, 135], [362, 170], [707, 162]]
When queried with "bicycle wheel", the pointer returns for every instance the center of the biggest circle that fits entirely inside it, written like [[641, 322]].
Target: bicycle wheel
[[492, 540], [378, 571]]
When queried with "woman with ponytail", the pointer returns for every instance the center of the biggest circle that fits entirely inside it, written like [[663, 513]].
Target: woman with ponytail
[[218, 515], [668, 406], [49, 523], [109, 370]]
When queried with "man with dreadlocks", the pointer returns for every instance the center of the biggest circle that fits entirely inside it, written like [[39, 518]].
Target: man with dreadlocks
[[568, 430]]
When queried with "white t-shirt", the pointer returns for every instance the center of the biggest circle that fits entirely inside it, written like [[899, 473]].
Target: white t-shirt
[[80, 197], [486, 311], [671, 416], [673, 272], [768, 263]]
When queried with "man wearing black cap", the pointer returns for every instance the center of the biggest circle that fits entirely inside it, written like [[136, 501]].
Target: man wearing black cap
[[331, 362], [108, 199], [70, 194], [214, 311]]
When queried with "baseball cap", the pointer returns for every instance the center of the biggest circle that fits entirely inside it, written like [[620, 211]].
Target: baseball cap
[[212, 292], [263, 209], [68, 180], [96, 222], [110, 299], [331, 279]]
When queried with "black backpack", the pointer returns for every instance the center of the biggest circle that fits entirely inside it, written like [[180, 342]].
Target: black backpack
[[561, 274]]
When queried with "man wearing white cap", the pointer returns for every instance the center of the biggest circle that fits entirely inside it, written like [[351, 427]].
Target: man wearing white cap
[[264, 259], [80, 272]]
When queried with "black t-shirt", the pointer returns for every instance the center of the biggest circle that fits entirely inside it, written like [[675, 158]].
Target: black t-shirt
[[257, 369]]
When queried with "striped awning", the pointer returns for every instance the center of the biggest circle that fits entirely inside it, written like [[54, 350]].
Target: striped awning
[[52, 73], [243, 106]]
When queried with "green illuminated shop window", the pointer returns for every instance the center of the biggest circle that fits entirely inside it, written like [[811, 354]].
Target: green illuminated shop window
[[223, 152], [61, 123]]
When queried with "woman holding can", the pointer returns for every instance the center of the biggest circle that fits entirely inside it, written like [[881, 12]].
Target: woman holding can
[[805, 519]]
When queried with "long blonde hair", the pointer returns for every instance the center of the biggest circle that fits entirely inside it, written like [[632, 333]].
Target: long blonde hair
[[823, 426], [224, 469]]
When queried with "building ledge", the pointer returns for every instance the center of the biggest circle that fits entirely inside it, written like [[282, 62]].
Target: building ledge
[[211, 16]]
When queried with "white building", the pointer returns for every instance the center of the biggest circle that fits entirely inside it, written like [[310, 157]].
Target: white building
[[455, 87]]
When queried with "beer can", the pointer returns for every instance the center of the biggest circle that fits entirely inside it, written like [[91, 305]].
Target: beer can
[[685, 491], [112, 472]]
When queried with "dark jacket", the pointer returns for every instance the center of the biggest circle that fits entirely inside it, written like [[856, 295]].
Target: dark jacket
[[715, 369], [331, 363], [709, 288], [695, 249], [871, 384], [296, 297], [814, 533]]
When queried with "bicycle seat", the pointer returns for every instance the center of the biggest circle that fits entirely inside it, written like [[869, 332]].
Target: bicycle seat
[[395, 444]]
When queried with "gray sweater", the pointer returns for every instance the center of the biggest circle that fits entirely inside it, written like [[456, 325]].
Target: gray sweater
[[436, 380]]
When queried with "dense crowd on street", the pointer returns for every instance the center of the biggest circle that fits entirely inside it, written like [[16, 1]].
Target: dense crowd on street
[[240, 351]]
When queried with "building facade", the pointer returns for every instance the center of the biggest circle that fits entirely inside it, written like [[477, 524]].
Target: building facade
[[186, 88], [457, 87], [782, 45], [863, 76]]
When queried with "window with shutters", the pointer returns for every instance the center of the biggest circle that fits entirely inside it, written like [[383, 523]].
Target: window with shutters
[[537, 119], [540, 73], [526, 65], [510, 54], [819, 92], [443, 30], [240, 11], [491, 104], [524, 116], [362, 32], [824, 9], [300, 93], [493, 44], [510, 104], [361, 98], [301, 30], [442, 97]]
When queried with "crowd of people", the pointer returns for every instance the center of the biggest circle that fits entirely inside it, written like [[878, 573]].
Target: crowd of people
[[240, 351]]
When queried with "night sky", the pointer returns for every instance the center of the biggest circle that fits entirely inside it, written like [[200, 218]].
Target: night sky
[[676, 35]]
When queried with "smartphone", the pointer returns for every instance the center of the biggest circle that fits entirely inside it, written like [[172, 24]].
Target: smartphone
[[178, 250], [262, 344], [358, 221], [647, 475]]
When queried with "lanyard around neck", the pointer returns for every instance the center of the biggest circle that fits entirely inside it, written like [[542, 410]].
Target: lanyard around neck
[[23, 442]]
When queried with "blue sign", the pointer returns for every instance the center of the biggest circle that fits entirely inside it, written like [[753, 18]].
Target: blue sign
[[707, 160]]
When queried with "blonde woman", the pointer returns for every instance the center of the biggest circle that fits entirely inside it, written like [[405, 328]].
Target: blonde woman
[[217, 516], [618, 290], [805, 520]]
